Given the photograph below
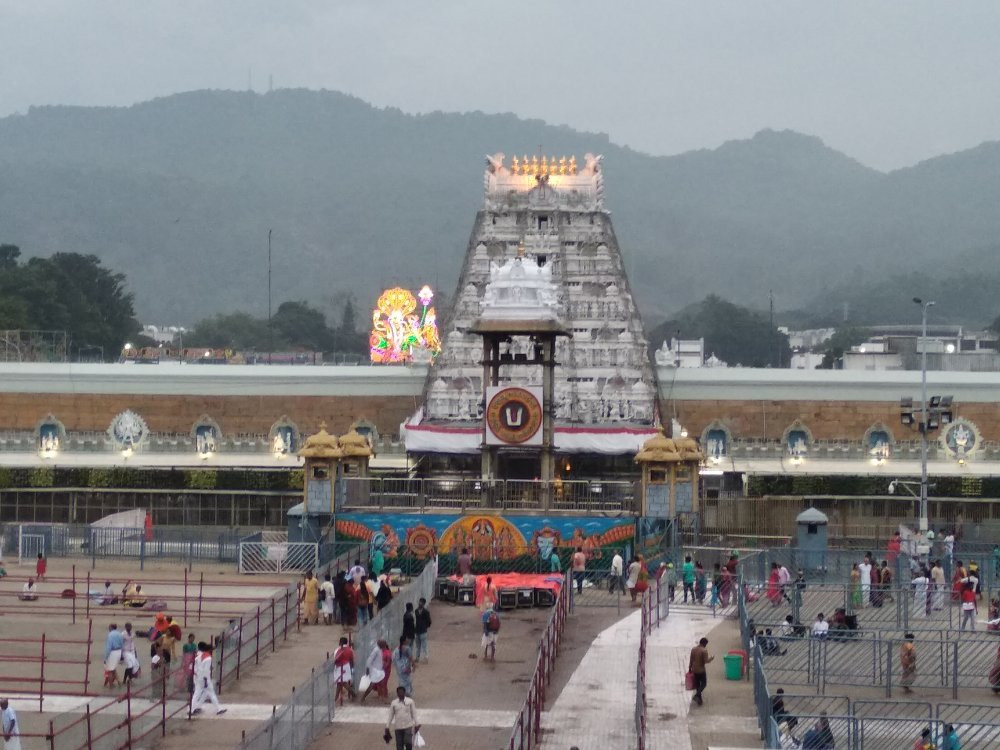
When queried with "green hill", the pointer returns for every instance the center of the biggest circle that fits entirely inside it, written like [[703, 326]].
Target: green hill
[[179, 194]]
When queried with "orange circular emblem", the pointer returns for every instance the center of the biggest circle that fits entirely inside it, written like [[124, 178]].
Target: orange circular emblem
[[514, 415]]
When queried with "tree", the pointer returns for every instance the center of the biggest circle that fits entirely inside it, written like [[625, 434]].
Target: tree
[[349, 339], [237, 330], [735, 334], [841, 340], [67, 292], [300, 326]]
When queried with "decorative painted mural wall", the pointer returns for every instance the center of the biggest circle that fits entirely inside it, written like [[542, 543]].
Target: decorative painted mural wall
[[486, 536]]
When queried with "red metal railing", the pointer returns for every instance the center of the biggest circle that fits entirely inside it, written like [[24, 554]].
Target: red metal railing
[[24, 662], [528, 724]]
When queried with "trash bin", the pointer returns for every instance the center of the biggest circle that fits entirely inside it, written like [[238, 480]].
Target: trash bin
[[734, 666]]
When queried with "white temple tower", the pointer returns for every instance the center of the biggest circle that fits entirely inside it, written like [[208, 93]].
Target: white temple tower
[[543, 222]]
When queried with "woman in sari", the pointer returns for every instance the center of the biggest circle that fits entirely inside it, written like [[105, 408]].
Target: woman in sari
[[350, 613], [773, 587], [907, 663], [855, 587]]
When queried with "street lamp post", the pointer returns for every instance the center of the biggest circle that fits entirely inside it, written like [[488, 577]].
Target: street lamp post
[[923, 413]]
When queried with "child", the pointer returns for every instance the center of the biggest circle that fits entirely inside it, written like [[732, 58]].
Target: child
[[40, 567]]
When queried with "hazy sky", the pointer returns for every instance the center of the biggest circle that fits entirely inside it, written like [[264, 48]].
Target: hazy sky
[[889, 82]]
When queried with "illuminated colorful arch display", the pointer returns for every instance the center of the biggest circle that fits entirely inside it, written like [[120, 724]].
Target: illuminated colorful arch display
[[400, 330]]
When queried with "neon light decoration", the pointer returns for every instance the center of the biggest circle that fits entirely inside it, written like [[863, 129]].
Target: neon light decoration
[[400, 330]]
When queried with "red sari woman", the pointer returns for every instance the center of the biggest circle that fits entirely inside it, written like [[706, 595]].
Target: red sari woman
[[773, 586]]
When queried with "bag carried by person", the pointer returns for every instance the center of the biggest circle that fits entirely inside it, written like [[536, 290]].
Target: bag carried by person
[[689, 681], [322, 595], [364, 683], [418, 739], [493, 623]]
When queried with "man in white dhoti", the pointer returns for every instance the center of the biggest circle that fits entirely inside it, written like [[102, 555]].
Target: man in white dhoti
[[937, 575], [865, 568], [920, 582], [112, 655], [204, 687], [11, 729]]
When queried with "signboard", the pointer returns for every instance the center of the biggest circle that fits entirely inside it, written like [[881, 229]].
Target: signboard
[[513, 416]]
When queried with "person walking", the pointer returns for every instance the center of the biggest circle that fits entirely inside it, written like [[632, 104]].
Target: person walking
[[189, 653], [409, 623], [402, 658], [907, 663], [970, 606], [634, 568], [784, 579], [326, 597], [310, 599], [343, 671], [773, 587], [41, 566], [865, 569], [687, 578], [422, 618], [204, 687], [378, 668], [491, 594], [716, 599], [491, 631], [402, 721], [11, 728], [855, 586], [920, 583], [112, 655], [697, 665], [617, 573], [937, 576], [579, 565], [671, 579], [725, 587], [357, 572], [364, 602], [378, 563]]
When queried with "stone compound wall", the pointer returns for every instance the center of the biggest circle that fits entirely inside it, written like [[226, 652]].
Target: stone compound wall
[[827, 420], [178, 413]]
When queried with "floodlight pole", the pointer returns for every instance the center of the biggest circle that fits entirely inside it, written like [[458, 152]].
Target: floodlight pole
[[923, 414]]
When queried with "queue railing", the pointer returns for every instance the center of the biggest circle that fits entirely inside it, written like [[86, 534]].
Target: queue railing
[[526, 731]]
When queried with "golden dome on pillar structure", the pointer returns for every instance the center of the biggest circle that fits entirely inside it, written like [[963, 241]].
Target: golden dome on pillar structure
[[321, 445], [355, 444], [661, 449]]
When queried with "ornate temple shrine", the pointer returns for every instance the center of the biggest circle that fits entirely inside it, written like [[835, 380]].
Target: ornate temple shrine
[[542, 258]]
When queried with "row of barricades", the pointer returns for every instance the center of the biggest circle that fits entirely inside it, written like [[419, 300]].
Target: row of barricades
[[527, 727]]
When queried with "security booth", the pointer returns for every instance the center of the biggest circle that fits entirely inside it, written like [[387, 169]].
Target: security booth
[[811, 539], [321, 455], [669, 479]]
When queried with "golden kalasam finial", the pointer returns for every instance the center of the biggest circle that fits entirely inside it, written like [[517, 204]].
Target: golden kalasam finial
[[562, 165], [513, 166], [572, 165], [545, 165], [553, 165]]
